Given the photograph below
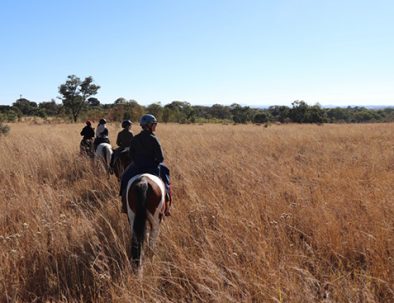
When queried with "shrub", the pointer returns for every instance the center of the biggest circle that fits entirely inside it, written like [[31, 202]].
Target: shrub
[[4, 129]]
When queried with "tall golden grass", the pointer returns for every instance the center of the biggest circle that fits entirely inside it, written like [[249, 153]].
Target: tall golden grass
[[288, 213]]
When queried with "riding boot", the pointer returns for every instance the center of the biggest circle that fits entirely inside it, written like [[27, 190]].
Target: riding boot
[[168, 202]]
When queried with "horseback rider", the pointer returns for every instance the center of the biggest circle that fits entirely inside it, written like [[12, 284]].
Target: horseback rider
[[101, 133], [147, 156], [88, 134], [123, 140]]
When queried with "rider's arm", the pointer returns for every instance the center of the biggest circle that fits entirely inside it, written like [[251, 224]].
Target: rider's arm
[[118, 140], [158, 152]]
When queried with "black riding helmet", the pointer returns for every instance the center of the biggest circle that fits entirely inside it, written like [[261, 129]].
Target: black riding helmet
[[102, 121], [126, 123], [147, 120]]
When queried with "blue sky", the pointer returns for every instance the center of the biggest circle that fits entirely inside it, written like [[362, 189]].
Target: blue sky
[[252, 52]]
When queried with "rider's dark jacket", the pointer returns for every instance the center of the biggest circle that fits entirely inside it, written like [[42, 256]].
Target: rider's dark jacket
[[87, 132], [124, 138], [145, 150]]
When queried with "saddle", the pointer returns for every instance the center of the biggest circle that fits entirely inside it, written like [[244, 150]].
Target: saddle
[[100, 140]]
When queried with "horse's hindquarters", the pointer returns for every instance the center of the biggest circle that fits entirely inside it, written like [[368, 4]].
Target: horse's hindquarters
[[103, 154], [145, 201]]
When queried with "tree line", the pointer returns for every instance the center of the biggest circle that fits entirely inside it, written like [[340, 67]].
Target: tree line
[[78, 103]]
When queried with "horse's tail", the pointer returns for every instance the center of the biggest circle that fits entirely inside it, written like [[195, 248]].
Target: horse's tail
[[141, 188]]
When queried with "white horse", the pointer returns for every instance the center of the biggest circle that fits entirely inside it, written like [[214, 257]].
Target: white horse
[[103, 155]]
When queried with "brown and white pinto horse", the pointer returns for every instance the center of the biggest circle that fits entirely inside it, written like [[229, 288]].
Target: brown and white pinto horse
[[145, 204]]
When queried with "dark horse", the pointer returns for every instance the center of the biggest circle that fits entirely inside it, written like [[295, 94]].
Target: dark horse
[[86, 148], [121, 162], [145, 204]]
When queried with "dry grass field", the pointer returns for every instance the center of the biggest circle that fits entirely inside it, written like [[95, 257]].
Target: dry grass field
[[287, 213]]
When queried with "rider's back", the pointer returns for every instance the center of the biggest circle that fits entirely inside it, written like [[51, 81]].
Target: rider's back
[[145, 150], [124, 138], [87, 132]]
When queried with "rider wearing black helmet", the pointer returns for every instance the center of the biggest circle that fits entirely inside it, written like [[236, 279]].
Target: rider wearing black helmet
[[125, 136], [147, 156], [123, 140]]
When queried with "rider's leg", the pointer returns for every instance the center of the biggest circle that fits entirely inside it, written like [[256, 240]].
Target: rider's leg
[[165, 176], [168, 200]]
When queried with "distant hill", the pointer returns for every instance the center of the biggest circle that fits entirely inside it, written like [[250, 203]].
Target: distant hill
[[372, 107], [377, 107]]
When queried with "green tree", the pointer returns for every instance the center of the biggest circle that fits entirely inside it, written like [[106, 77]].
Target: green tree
[[261, 117], [181, 111], [166, 115], [123, 109], [219, 111], [75, 94], [92, 101], [279, 112], [365, 116], [26, 107], [120, 100], [155, 109], [338, 114], [241, 114], [315, 114], [298, 111], [51, 108]]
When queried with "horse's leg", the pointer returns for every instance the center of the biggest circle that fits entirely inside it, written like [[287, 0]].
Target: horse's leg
[[131, 217], [108, 164], [154, 231], [134, 244]]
